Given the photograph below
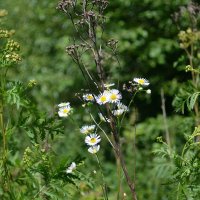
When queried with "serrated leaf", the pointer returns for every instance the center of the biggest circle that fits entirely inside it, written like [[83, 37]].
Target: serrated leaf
[[192, 100]]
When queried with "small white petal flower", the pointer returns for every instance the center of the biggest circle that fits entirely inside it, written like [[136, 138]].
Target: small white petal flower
[[140, 88], [118, 112], [92, 139], [63, 104], [102, 118], [65, 111], [108, 85], [88, 97], [71, 168], [114, 96], [141, 81], [94, 149], [148, 91], [103, 98], [87, 129], [121, 108]]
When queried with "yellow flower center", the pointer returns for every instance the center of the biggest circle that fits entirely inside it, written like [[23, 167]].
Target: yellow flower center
[[90, 97], [93, 140], [113, 97], [141, 81], [103, 99], [65, 110]]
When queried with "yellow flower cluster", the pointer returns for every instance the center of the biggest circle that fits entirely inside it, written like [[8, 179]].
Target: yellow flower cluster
[[12, 45], [188, 37], [32, 83], [26, 157], [13, 57], [3, 13], [6, 33], [9, 47]]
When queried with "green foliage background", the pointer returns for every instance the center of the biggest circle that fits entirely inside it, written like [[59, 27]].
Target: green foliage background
[[148, 47]]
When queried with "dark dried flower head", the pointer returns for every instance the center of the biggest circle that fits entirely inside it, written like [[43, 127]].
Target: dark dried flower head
[[193, 8], [64, 5], [112, 43], [70, 49], [129, 87], [89, 15], [102, 4]]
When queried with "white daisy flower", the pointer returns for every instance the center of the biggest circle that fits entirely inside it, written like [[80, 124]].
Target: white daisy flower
[[71, 168], [88, 97], [103, 98], [148, 91], [102, 118], [108, 85], [114, 96], [141, 81], [63, 104], [94, 149], [121, 108], [64, 111], [87, 129], [117, 112], [92, 139]]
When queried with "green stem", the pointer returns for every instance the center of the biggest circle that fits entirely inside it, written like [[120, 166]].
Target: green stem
[[104, 187], [119, 179], [128, 109], [178, 191], [102, 131], [3, 132]]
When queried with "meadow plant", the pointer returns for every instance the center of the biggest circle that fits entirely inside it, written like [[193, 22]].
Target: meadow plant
[[102, 99], [183, 162], [29, 167]]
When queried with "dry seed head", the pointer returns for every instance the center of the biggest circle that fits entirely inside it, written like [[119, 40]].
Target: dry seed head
[[64, 5]]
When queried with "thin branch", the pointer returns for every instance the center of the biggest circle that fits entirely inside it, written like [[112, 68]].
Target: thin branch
[[167, 135]]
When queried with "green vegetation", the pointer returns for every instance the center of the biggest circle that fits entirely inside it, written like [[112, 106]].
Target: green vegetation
[[43, 155]]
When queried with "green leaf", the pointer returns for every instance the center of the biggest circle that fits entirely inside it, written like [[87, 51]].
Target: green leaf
[[192, 100]]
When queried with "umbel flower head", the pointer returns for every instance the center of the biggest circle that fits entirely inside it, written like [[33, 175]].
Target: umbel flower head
[[88, 97], [71, 168], [64, 109], [87, 129], [94, 149], [141, 81], [92, 139]]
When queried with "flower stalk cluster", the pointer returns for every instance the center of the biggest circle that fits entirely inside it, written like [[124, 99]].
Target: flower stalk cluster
[[88, 21], [8, 57]]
